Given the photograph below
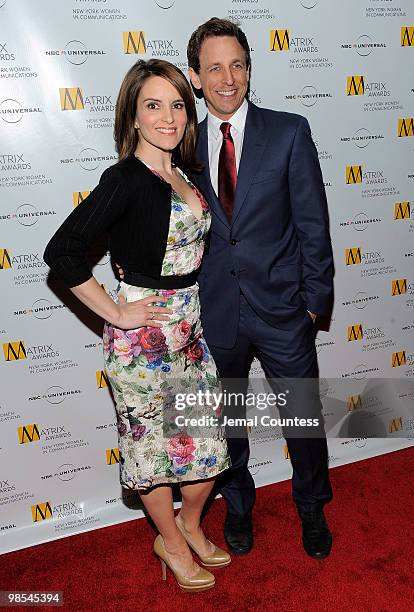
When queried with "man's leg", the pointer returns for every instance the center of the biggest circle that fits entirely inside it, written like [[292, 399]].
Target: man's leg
[[237, 484], [292, 354]]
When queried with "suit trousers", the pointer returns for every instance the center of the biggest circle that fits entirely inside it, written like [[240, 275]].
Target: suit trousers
[[282, 354]]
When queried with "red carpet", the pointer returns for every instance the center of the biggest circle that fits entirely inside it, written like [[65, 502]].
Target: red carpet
[[371, 567]]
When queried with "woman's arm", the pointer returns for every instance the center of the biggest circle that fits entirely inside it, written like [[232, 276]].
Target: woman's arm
[[123, 315], [66, 254]]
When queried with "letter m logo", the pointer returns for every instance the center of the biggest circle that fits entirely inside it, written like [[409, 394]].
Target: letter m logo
[[355, 86], [407, 36], [395, 425], [399, 359], [353, 175], [402, 210], [279, 40], [287, 454], [112, 456], [41, 512], [355, 332], [71, 98], [79, 196], [354, 402], [28, 433], [406, 127], [134, 42], [101, 379], [399, 286], [14, 351], [353, 256], [5, 261]]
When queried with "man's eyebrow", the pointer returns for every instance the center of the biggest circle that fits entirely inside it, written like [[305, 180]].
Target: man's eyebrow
[[238, 59]]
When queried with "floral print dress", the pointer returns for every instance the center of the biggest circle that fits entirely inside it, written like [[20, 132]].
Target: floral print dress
[[146, 367]]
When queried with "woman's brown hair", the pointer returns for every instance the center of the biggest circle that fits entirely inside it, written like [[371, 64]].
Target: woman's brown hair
[[126, 135]]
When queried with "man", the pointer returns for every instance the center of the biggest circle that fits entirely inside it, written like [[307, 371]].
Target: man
[[268, 270]]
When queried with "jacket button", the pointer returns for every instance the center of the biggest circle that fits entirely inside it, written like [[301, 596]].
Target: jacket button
[[233, 241], [232, 272]]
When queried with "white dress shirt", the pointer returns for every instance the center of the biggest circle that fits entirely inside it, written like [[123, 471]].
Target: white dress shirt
[[215, 139]]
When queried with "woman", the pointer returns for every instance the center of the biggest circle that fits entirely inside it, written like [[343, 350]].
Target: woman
[[153, 345]]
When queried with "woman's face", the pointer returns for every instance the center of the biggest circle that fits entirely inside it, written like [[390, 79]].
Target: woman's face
[[161, 116]]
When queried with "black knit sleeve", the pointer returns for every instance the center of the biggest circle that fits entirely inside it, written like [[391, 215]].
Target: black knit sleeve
[[66, 251]]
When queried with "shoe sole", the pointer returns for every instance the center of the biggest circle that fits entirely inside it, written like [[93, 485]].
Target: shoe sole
[[225, 564], [196, 589]]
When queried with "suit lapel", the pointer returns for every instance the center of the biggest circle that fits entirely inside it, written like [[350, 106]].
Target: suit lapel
[[204, 178], [254, 142]]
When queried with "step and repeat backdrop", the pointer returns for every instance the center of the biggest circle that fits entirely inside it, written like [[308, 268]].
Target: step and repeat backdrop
[[346, 66]]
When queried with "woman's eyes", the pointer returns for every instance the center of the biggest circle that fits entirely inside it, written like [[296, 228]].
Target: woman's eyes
[[154, 105]]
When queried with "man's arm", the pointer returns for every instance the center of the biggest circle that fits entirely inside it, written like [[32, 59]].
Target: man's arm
[[310, 217]]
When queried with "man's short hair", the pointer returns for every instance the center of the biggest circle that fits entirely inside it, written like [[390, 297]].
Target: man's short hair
[[214, 27]]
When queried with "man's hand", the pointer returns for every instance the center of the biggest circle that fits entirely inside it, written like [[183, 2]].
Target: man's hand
[[312, 316], [120, 271]]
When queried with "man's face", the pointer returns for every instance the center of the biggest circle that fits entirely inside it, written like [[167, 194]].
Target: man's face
[[223, 77]]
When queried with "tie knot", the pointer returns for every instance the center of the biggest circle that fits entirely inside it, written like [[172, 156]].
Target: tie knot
[[225, 129]]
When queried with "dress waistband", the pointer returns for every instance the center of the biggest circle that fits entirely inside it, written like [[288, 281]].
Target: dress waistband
[[163, 282]]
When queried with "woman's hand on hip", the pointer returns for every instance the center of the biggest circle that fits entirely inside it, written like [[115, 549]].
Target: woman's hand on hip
[[141, 313]]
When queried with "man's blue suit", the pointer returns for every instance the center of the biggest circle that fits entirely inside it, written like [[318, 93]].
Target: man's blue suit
[[260, 274]]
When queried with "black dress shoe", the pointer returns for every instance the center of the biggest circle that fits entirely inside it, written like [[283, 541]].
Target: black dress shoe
[[238, 533], [316, 536]]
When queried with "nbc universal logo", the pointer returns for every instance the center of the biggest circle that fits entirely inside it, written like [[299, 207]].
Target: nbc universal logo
[[27, 215], [38, 358], [371, 338], [360, 300], [364, 45], [282, 40], [13, 110], [66, 472], [73, 99], [41, 309], [309, 95], [52, 439], [138, 43], [375, 179], [378, 91], [367, 262], [56, 395], [13, 171], [360, 222], [363, 137], [89, 159], [29, 267], [75, 52]]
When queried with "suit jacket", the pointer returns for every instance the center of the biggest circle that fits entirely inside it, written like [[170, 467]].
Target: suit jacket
[[277, 249]]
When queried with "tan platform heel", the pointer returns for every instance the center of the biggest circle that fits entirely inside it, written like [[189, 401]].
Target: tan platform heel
[[218, 558], [201, 581]]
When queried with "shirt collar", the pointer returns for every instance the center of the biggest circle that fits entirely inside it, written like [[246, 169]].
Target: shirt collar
[[237, 121]]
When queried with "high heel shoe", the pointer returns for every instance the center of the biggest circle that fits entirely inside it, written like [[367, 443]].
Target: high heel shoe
[[201, 581], [218, 558]]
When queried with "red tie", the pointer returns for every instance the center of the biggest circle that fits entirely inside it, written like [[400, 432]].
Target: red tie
[[227, 173]]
